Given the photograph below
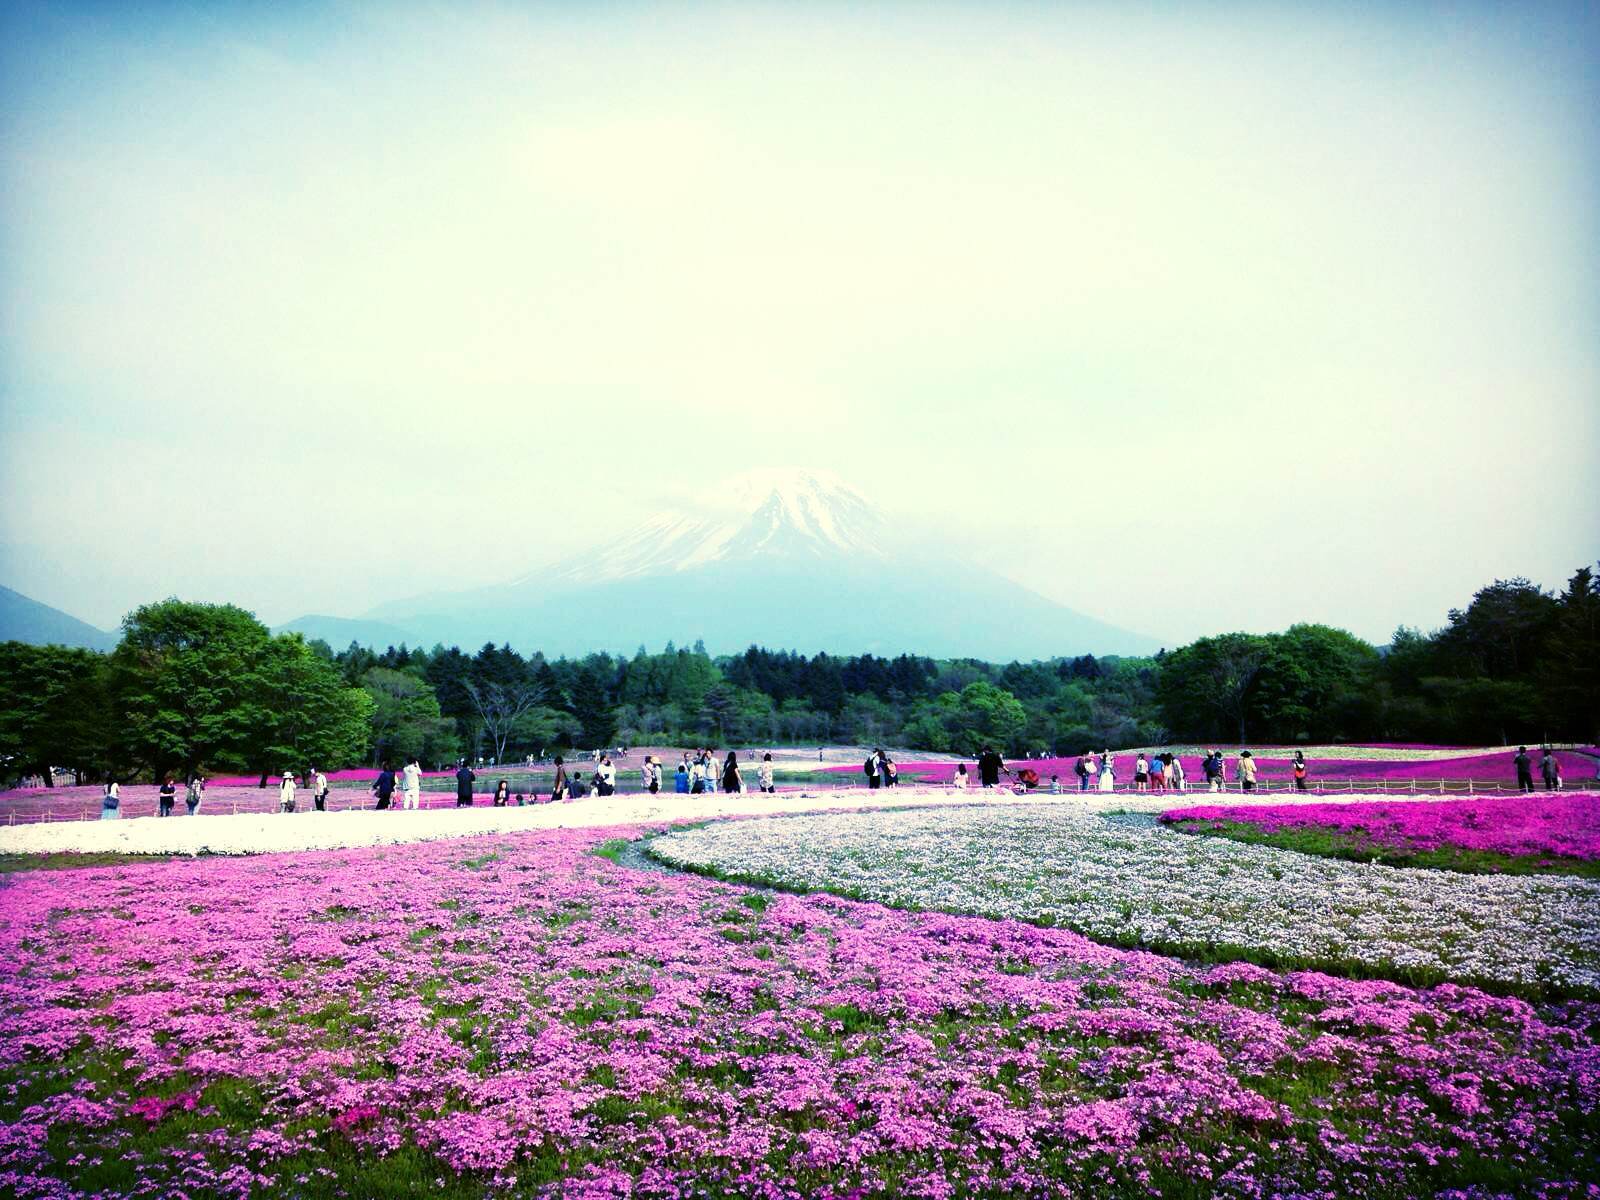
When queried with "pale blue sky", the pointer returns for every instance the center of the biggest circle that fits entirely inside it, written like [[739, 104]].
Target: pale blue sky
[[1193, 320]]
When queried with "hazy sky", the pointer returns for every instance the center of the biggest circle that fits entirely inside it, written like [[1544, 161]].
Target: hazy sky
[[1194, 317]]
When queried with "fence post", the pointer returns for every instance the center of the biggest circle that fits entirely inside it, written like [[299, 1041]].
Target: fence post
[[1413, 787], [1441, 787]]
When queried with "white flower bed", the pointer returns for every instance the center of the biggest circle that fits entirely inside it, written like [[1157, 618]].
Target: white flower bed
[[1126, 880]]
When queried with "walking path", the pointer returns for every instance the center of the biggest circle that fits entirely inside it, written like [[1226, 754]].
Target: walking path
[[264, 833]]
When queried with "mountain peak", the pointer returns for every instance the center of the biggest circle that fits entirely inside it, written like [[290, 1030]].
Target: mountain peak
[[782, 513]]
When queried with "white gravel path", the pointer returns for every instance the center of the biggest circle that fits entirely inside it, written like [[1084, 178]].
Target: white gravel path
[[265, 833]]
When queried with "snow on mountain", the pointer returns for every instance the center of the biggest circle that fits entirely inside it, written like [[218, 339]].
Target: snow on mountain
[[794, 514]]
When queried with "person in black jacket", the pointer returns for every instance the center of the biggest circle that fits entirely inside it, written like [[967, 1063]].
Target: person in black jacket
[[464, 781], [990, 765], [383, 786], [1524, 766]]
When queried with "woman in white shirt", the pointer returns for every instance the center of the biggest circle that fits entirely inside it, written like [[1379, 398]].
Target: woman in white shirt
[[111, 802], [1108, 772], [286, 793], [764, 775]]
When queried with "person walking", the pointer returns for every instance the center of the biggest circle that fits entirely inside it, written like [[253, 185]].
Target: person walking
[[168, 795], [870, 769], [286, 793], [1108, 772], [1299, 770], [1213, 769], [191, 795], [383, 786], [111, 801], [465, 778], [1247, 771], [411, 784], [732, 780], [764, 775], [560, 789], [990, 765], [1524, 767], [502, 793], [319, 790]]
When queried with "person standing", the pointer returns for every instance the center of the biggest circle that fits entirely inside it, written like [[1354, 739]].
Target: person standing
[[732, 780], [891, 773], [1547, 769], [559, 788], [697, 776], [1108, 772], [870, 769], [605, 776], [1247, 771], [319, 790], [1299, 770], [465, 778], [764, 775], [1091, 769], [1524, 767], [502, 793], [680, 778], [383, 786], [191, 795], [411, 785], [111, 801], [1141, 774], [652, 774], [960, 779], [286, 793], [169, 796], [1180, 778]]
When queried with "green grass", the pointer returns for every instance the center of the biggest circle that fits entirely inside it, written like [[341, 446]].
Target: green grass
[[1358, 847], [11, 864]]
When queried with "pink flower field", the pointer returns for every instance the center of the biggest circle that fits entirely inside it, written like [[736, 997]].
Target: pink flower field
[[519, 1015], [1578, 769], [1538, 825]]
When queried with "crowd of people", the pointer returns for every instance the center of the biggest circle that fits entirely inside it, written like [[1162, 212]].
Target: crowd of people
[[700, 771]]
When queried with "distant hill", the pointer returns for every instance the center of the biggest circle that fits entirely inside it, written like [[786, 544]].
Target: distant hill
[[25, 620], [339, 632], [802, 562]]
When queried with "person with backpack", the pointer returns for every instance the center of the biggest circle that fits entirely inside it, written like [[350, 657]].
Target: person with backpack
[[111, 801], [191, 795], [870, 769]]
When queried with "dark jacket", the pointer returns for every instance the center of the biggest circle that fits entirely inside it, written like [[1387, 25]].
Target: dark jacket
[[464, 781]]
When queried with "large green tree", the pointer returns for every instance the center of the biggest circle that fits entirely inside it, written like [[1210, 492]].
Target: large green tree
[[53, 712]]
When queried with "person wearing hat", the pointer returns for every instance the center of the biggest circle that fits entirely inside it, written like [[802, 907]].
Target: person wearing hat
[[286, 793]]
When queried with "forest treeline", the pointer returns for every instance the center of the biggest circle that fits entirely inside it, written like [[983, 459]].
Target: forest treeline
[[196, 686]]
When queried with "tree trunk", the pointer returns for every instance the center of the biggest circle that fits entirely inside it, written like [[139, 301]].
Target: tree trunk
[[263, 780]]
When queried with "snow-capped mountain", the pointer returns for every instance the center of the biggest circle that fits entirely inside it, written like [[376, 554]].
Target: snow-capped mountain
[[790, 514], [791, 559]]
